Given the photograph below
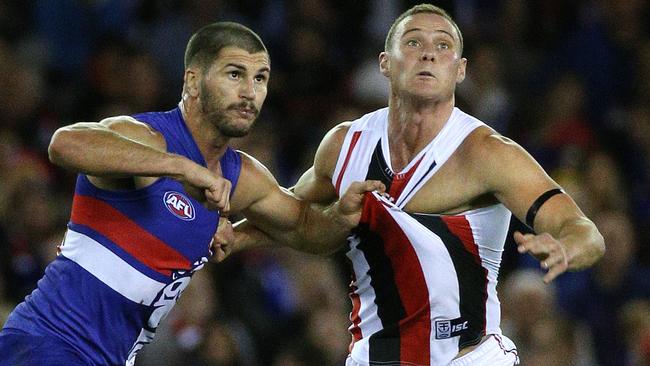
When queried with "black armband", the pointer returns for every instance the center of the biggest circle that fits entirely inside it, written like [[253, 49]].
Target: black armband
[[532, 211]]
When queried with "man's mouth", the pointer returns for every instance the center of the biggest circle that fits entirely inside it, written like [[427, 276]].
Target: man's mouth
[[245, 111]]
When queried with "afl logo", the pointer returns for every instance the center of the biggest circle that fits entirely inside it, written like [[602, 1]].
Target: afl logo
[[179, 205]]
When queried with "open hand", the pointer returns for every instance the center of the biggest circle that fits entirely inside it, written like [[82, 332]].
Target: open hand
[[548, 250]]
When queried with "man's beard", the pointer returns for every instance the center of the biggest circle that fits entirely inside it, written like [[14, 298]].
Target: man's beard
[[214, 113]]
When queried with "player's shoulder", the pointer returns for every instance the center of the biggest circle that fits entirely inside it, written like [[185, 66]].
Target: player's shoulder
[[336, 134], [330, 147], [484, 143], [136, 130], [124, 123], [495, 159]]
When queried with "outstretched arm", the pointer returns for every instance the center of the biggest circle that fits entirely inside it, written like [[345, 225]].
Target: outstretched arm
[[277, 217], [564, 239], [313, 187], [121, 147]]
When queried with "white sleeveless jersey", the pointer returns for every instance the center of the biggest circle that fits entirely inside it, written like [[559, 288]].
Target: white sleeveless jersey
[[424, 285]]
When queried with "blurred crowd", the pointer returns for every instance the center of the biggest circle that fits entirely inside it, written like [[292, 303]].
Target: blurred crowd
[[569, 80]]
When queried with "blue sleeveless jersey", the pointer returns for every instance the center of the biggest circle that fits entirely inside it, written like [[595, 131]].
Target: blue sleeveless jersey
[[126, 258]]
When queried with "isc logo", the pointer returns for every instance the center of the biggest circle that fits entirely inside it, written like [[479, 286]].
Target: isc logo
[[450, 328], [179, 205]]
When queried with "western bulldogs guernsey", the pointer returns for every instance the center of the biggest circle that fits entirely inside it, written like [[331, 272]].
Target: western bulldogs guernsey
[[125, 259], [424, 285]]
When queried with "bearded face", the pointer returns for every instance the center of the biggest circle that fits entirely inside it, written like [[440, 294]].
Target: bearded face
[[233, 89], [231, 119]]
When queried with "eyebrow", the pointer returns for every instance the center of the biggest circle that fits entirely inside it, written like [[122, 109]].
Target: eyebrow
[[437, 30], [243, 68]]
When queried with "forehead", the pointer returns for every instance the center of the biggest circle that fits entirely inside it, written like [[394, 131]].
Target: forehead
[[427, 22], [238, 56]]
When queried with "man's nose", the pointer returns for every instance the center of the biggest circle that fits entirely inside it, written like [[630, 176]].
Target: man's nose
[[428, 55], [247, 89]]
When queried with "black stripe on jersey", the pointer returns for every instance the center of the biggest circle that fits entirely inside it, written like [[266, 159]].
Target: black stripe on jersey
[[472, 280], [385, 344], [378, 168], [433, 165]]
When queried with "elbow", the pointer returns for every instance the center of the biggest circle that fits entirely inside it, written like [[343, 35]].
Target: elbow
[[599, 246], [60, 146], [589, 247], [593, 252]]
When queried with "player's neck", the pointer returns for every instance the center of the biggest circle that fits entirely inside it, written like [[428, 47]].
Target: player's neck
[[412, 125], [208, 139]]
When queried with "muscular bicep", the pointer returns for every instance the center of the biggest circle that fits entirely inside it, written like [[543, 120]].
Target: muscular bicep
[[262, 201], [315, 187], [518, 181], [277, 213], [132, 129], [129, 128], [111, 152]]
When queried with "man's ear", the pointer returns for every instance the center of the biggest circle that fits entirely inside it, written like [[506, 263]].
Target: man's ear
[[384, 64], [191, 81], [462, 68]]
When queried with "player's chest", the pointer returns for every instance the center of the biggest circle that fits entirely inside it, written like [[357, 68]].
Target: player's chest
[[449, 190], [176, 220]]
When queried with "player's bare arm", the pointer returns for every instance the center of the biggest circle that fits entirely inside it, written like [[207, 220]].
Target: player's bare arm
[[565, 238], [315, 186], [120, 152], [290, 221]]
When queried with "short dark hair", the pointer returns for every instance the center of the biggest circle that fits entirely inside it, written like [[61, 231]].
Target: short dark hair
[[204, 45], [422, 8]]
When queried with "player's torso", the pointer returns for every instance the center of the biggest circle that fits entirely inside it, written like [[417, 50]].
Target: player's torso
[[126, 258], [426, 259]]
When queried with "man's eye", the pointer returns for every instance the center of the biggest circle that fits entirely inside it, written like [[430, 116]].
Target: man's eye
[[413, 43], [234, 74], [443, 45], [260, 78]]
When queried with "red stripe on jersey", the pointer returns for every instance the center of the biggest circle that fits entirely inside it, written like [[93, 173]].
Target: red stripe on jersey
[[121, 230], [355, 330], [460, 227], [415, 328], [400, 180], [353, 143]]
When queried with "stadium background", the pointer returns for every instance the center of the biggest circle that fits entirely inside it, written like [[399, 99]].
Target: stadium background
[[570, 81]]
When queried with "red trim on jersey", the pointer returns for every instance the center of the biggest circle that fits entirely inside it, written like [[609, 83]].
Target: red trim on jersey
[[399, 180], [415, 328], [125, 233], [355, 330], [353, 143], [459, 226]]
